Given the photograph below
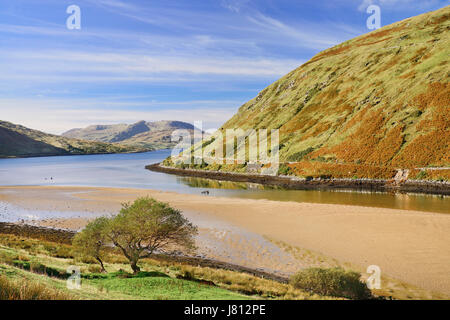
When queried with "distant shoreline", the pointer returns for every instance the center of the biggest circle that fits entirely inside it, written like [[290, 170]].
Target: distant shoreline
[[72, 154], [426, 187]]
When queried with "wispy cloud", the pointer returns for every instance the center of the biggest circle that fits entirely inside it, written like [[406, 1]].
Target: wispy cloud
[[116, 4], [234, 5], [186, 60], [57, 116], [85, 65], [309, 35], [399, 4]]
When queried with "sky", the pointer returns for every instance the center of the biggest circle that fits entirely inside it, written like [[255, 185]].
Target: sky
[[190, 60]]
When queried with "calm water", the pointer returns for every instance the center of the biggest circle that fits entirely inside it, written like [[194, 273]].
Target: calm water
[[127, 171]]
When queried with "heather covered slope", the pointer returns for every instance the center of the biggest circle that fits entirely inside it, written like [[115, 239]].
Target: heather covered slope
[[366, 107], [19, 141], [156, 135]]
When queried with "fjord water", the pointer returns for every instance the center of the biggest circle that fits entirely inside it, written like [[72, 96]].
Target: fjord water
[[127, 171]]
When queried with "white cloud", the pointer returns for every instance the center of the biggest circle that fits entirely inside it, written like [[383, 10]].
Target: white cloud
[[305, 34], [116, 4], [234, 5], [58, 116], [193, 48], [78, 66]]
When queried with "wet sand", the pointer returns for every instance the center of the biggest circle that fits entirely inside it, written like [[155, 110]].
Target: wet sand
[[407, 245]]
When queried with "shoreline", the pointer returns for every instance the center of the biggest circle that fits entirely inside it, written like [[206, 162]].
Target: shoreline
[[72, 154], [65, 236], [293, 183], [408, 246]]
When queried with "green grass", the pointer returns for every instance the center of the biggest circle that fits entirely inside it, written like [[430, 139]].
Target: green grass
[[27, 290], [45, 263], [115, 285], [159, 286]]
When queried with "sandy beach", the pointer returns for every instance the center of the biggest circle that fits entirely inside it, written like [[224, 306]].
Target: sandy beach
[[410, 246]]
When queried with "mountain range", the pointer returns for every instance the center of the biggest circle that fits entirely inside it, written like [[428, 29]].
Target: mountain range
[[152, 135], [19, 141]]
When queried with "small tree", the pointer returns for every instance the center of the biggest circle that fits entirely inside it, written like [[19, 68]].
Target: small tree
[[92, 239], [148, 225]]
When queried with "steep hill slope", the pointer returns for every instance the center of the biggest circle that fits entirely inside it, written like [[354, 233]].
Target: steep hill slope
[[145, 134], [364, 108], [19, 141]]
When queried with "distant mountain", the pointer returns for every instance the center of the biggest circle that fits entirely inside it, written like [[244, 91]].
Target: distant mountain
[[156, 135], [19, 141]]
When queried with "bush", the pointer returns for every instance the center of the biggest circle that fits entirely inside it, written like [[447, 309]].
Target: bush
[[284, 170], [93, 268], [37, 267], [421, 175], [300, 155], [335, 282], [91, 242], [147, 226]]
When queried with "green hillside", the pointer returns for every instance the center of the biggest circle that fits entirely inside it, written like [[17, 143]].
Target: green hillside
[[364, 108], [36, 269], [19, 141]]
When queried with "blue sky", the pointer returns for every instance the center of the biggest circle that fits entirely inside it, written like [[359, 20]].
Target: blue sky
[[187, 60]]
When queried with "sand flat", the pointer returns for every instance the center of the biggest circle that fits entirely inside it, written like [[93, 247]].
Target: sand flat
[[407, 245]]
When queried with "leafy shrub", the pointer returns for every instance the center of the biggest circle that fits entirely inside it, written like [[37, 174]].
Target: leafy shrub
[[421, 175], [300, 155], [335, 282], [61, 251], [146, 226], [91, 242], [37, 267], [93, 268], [140, 229], [284, 170], [186, 275], [8, 258]]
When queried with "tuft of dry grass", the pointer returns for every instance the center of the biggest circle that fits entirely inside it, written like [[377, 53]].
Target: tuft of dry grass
[[248, 284], [36, 251], [28, 290]]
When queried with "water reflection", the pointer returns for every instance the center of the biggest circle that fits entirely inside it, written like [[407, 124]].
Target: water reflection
[[195, 182], [128, 171], [420, 202]]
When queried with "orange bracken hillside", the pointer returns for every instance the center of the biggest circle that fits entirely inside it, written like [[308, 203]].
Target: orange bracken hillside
[[365, 108]]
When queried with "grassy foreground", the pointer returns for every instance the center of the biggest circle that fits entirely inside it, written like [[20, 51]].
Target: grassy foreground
[[37, 269]]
